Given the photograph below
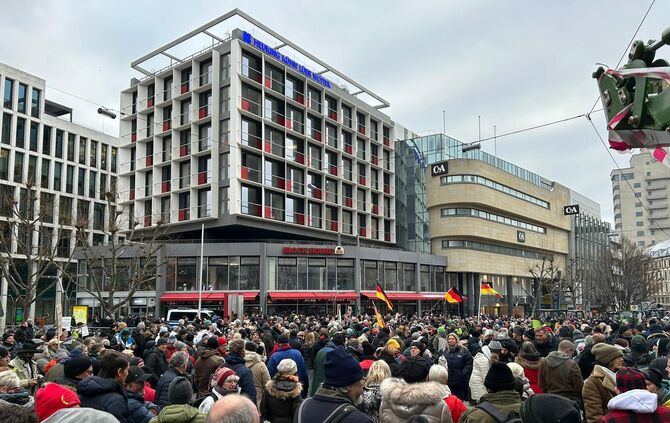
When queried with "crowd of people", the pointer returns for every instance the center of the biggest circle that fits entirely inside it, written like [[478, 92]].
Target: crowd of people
[[334, 369]]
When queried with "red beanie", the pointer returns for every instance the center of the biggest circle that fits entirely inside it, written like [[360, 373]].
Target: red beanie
[[53, 397], [222, 341], [222, 374]]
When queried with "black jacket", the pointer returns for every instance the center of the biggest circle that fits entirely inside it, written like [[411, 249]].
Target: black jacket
[[157, 362], [105, 395], [162, 395], [551, 344], [140, 342], [323, 403], [586, 362], [459, 365], [246, 382]]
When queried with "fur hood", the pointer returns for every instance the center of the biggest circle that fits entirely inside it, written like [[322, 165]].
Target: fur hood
[[607, 377], [405, 400], [283, 389], [252, 358]]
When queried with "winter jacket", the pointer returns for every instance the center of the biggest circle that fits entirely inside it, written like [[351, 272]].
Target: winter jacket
[[481, 365], [157, 362], [162, 397], [473, 345], [140, 342], [216, 394], [323, 403], [179, 413], [456, 406], [402, 401], [392, 362], [139, 409], [287, 352], [308, 358], [586, 361], [371, 400], [549, 345], [259, 370], [560, 375], [281, 400], [319, 360], [459, 365], [69, 382], [246, 382], [531, 369], [598, 389], [25, 371], [636, 406], [205, 367], [80, 415], [106, 395], [506, 402], [640, 361]]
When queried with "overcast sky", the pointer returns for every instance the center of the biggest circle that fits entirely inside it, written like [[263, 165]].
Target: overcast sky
[[514, 63]]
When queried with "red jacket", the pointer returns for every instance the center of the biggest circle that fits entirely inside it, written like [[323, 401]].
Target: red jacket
[[533, 376], [661, 415], [456, 406]]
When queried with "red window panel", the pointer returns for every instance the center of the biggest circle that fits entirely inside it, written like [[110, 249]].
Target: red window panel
[[166, 125], [317, 135], [183, 150], [268, 82], [165, 186], [203, 112], [182, 214], [287, 185], [387, 237], [300, 98], [300, 158], [202, 178], [318, 193], [184, 87], [375, 209], [348, 149], [348, 202], [133, 137], [362, 180], [150, 102], [147, 220], [268, 147], [333, 115], [333, 226], [149, 161], [361, 129], [245, 104], [362, 231], [280, 183], [375, 161], [300, 218], [387, 189], [288, 123], [245, 173], [333, 170], [131, 194], [268, 212], [387, 142]]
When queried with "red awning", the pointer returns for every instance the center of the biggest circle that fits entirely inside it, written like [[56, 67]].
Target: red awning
[[302, 295], [206, 296], [402, 296]]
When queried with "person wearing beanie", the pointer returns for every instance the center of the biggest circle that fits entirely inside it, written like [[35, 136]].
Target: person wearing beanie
[[480, 367], [53, 397], [413, 395], [640, 355], [501, 397], [559, 374], [254, 362], [564, 333], [633, 402], [74, 371], [653, 378], [226, 383], [235, 361], [600, 387], [156, 360], [141, 411], [550, 408], [178, 364], [206, 365], [545, 342], [586, 359], [440, 340], [459, 363], [368, 357], [179, 410], [281, 396], [106, 392], [341, 389]]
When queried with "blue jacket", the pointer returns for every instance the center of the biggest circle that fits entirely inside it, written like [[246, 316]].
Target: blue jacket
[[246, 382], [139, 409], [105, 395], [162, 396], [286, 351]]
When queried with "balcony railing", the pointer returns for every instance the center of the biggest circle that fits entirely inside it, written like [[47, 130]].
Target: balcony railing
[[250, 106], [251, 209], [251, 140], [252, 73], [250, 174]]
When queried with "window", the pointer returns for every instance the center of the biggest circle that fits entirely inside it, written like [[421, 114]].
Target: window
[[9, 93], [637, 214], [474, 179], [640, 233], [92, 183], [98, 216], [114, 153], [35, 103], [18, 167], [59, 144], [20, 132], [80, 182], [447, 212], [103, 156], [637, 185], [58, 169], [627, 176], [93, 155], [32, 170], [70, 147], [46, 140], [205, 202], [185, 112], [21, 108], [82, 150], [34, 128], [639, 224], [495, 249], [44, 180], [6, 128], [4, 165]]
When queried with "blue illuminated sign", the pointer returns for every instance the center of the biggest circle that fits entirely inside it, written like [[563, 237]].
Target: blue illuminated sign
[[247, 38]]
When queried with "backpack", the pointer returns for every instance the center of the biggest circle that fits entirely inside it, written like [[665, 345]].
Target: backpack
[[199, 400], [335, 417], [492, 411]]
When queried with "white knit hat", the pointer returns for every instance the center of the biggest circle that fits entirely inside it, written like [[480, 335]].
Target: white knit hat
[[287, 367], [9, 379]]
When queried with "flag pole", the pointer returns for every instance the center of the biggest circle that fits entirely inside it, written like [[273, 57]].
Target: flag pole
[[479, 303], [202, 259]]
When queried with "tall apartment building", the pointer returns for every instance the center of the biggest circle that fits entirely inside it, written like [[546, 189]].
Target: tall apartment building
[[640, 195], [69, 167]]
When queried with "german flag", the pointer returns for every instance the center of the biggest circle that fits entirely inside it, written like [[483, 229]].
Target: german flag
[[380, 321], [453, 296], [486, 289], [382, 296]]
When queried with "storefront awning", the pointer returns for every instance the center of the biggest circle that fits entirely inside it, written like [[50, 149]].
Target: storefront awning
[[323, 296], [206, 296], [403, 296]]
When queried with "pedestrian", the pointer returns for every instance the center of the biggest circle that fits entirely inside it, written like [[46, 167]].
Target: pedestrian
[[500, 398], [74, 371], [439, 374], [259, 370], [529, 359], [281, 397], [341, 390], [640, 356], [459, 365], [560, 374], [226, 383], [284, 351], [233, 409], [156, 360], [633, 403], [180, 393], [206, 365], [106, 392], [545, 342], [140, 410], [371, 397], [600, 387], [53, 397], [235, 361], [543, 408], [177, 368], [25, 367], [481, 365]]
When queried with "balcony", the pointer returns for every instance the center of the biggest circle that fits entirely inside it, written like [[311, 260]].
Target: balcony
[[275, 181], [296, 96], [316, 193], [250, 106], [250, 209], [316, 135], [296, 218], [274, 213], [252, 73], [250, 174]]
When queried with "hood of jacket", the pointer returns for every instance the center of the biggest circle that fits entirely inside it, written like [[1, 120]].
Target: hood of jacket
[[556, 358], [207, 352], [283, 389], [252, 358], [95, 385], [178, 413], [526, 363], [608, 378], [636, 400], [406, 400], [485, 351], [234, 359]]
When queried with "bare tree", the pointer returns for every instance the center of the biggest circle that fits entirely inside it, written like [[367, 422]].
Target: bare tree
[[29, 256], [572, 282], [545, 281], [114, 271], [625, 276]]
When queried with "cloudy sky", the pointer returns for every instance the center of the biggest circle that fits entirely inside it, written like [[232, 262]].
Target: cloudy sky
[[514, 63]]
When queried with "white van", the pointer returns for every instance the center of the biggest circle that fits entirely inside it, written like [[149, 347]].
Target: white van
[[189, 314]]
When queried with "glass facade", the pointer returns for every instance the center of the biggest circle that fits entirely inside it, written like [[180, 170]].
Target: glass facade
[[410, 202]]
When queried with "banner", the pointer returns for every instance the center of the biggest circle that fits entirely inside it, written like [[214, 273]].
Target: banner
[[80, 314]]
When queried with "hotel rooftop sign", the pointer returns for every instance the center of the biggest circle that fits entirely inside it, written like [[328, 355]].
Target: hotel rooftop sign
[[247, 38]]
